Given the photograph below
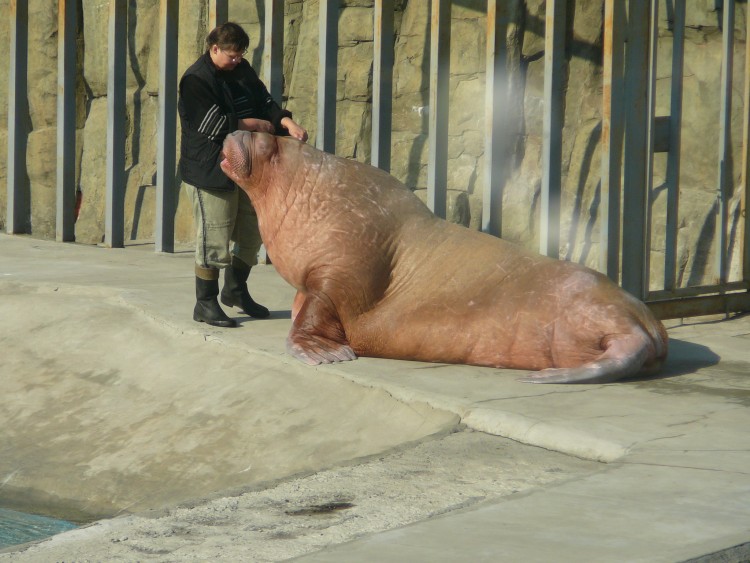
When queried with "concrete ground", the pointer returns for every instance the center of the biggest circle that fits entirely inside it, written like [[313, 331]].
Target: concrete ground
[[188, 442]]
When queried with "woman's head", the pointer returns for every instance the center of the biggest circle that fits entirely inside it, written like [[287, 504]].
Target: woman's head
[[227, 44]]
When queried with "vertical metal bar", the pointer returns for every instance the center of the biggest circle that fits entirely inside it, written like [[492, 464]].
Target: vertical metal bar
[[327, 66], [66, 120], [636, 146], [745, 194], [612, 138], [218, 12], [114, 228], [273, 48], [18, 217], [496, 122], [382, 84], [675, 143], [169, 12], [273, 65], [725, 145], [437, 165], [650, 148], [554, 66]]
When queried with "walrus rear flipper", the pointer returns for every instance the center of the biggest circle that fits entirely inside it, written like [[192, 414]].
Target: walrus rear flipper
[[624, 357], [604, 371]]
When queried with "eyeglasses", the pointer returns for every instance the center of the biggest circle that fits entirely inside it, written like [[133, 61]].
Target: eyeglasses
[[232, 57]]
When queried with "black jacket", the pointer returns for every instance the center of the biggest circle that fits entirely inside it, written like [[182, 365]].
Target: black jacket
[[208, 108]]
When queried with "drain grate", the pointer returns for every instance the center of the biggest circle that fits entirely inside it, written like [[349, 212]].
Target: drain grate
[[319, 509]]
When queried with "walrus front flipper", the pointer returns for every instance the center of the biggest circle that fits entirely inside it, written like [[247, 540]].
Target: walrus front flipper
[[316, 336], [314, 350], [625, 356]]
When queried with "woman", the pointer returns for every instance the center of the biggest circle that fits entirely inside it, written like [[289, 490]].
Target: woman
[[221, 93]]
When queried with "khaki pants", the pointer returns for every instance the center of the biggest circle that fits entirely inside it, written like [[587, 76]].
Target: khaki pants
[[221, 217]]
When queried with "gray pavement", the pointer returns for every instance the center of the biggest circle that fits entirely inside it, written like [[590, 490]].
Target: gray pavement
[[676, 485]]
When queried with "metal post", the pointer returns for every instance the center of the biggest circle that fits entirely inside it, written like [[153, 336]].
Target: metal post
[[745, 194], [636, 146], [675, 142], [273, 48], [218, 12], [273, 65], [496, 120], [437, 165], [650, 140], [66, 120], [612, 137], [554, 76], [327, 66], [725, 144], [115, 202], [382, 84], [169, 11], [18, 218]]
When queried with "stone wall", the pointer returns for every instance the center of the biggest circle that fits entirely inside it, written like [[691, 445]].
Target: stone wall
[[525, 39]]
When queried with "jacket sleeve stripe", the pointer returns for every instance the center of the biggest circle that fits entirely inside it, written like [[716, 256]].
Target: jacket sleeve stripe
[[212, 123], [210, 114], [219, 127]]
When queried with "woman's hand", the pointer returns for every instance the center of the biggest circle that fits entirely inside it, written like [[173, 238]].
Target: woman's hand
[[295, 130], [252, 124]]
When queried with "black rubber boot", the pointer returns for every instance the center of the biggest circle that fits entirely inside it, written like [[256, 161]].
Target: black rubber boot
[[235, 293], [207, 309]]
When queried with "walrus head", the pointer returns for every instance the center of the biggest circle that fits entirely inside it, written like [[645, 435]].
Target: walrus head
[[241, 150]]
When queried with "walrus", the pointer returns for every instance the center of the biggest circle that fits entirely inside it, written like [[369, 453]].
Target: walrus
[[378, 274]]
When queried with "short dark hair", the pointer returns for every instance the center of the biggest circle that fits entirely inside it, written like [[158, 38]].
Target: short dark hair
[[228, 36]]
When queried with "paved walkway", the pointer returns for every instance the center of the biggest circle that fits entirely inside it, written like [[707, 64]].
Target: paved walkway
[[678, 480]]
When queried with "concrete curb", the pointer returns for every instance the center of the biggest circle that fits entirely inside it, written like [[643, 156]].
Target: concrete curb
[[509, 425], [537, 433]]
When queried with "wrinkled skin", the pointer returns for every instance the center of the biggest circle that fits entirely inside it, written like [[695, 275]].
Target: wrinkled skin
[[377, 274]]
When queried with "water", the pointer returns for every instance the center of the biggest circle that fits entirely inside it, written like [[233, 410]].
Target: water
[[18, 527]]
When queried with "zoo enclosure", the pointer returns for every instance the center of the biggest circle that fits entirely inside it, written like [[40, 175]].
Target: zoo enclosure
[[631, 132]]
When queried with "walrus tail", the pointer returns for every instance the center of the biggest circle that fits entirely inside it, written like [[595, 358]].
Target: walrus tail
[[625, 356]]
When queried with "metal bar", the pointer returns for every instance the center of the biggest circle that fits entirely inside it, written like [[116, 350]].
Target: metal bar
[[554, 76], [745, 194], [675, 143], [166, 157], [698, 290], [382, 84], [66, 120], [218, 12], [662, 127], [698, 306], [327, 64], [273, 49], [651, 140], [612, 138], [437, 164], [18, 217], [114, 218], [636, 145], [273, 65], [725, 143], [496, 120]]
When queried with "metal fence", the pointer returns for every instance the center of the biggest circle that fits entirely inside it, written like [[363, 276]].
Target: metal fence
[[630, 51], [631, 132]]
